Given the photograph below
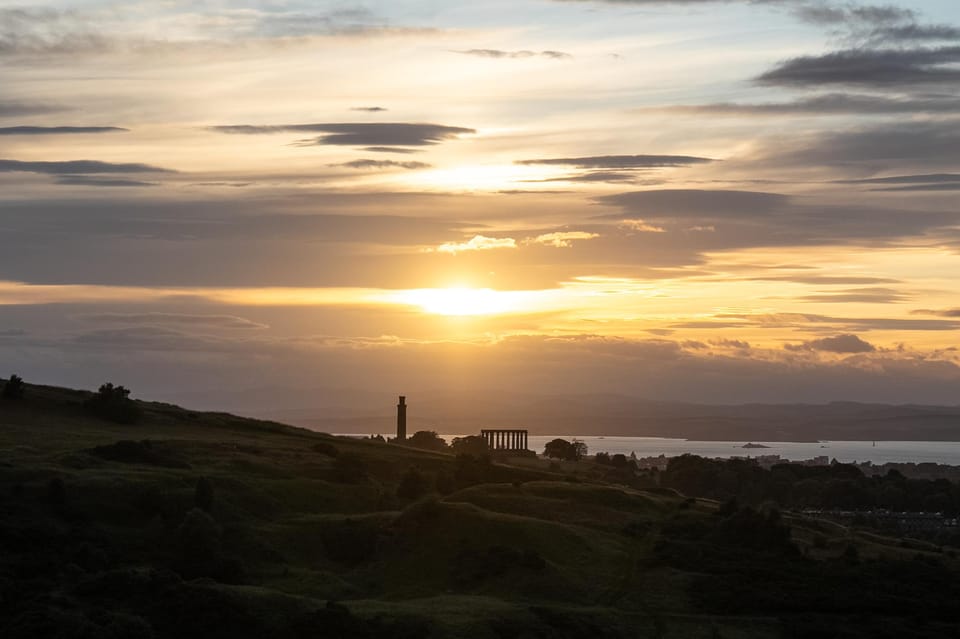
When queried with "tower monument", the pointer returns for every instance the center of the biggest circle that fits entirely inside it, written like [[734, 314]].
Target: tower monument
[[402, 419]]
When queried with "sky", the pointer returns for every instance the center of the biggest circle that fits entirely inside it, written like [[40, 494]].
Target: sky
[[714, 201]]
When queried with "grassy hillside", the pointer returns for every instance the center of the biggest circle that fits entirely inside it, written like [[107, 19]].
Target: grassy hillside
[[190, 524]]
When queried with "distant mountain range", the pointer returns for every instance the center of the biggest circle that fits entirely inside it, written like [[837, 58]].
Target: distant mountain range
[[354, 411]]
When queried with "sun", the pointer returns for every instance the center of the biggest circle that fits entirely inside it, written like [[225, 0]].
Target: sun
[[462, 300]]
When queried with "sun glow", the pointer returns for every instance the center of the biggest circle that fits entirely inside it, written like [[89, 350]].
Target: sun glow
[[462, 301]]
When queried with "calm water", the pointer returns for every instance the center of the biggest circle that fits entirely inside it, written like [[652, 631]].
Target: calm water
[[937, 452]]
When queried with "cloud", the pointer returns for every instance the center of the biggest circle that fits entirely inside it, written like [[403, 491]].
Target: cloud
[[914, 32], [952, 186], [561, 239], [928, 182], [390, 149], [921, 142], [874, 24], [86, 180], [497, 53], [731, 343], [370, 109], [374, 134], [382, 164], [180, 319], [17, 109], [826, 279], [119, 28], [68, 167], [875, 295], [695, 203], [640, 226], [850, 14], [57, 130], [47, 31], [477, 243], [930, 178], [621, 161], [809, 321], [950, 312], [827, 104], [839, 344], [868, 67]]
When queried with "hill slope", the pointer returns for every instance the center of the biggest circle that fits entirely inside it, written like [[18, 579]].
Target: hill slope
[[209, 525]]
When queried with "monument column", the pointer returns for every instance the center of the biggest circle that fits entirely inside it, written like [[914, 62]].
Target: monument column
[[402, 419]]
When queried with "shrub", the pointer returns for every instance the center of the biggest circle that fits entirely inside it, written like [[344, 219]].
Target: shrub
[[113, 403], [427, 440], [470, 445], [14, 388]]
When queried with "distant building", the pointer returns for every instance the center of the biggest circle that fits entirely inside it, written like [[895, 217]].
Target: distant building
[[505, 439]]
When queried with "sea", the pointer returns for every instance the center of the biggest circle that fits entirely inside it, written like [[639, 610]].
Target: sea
[[879, 452]]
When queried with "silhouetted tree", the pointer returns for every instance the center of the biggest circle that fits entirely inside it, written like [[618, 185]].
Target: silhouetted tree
[[427, 440], [562, 449], [113, 403], [14, 388]]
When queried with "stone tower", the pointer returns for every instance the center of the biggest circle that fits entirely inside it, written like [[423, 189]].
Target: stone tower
[[402, 419]]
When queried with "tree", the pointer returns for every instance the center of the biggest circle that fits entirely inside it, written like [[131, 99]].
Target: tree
[[113, 403], [470, 445], [562, 449], [579, 450], [14, 388], [427, 440]]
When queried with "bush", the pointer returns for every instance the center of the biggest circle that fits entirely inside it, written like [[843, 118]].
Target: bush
[[14, 388], [427, 440], [470, 445], [113, 403]]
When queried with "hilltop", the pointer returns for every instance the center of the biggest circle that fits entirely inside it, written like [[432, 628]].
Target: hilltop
[[190, 524]]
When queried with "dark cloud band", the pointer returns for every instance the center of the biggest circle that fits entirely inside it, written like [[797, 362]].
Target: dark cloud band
[[375, 134], [58, 130]]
